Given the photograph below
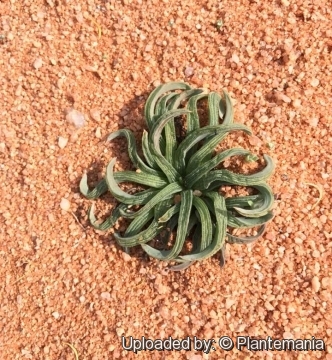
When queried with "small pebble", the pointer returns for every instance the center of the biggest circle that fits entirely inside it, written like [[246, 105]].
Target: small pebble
[[55, 314], [235, 59], [254, 140], [268, 306], [196, 357], [98, 133], [229, 303], [19, 299], [327, 283], [315, 283], [38, 63], [314, 82], [156, 83], [148, 48], [95, 114], [105, 295], [126, 257], [75, 118], [65, 204], [313, 122], [62, 142], [189, 71], [287, 335], [119, 331], [285, 98]]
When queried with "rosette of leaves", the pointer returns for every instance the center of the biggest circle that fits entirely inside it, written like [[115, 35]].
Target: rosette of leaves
[[181, 181]]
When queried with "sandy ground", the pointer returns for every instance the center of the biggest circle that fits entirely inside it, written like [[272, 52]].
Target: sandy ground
[[62, 282]]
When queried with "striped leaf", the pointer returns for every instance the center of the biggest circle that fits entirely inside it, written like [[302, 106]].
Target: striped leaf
[[221, 177], [263, 206], [122, 196], [219, 233], [184, 216], [149, 109], [132, 150], [202, 170], [231, 239], [206, 151]]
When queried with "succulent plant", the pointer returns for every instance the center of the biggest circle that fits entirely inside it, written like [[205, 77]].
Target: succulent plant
[[181, 201]]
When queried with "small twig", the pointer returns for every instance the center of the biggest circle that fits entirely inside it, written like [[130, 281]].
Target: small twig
[[74, 350], [320, 190], [20, 278], [75, 217], [98, 28]]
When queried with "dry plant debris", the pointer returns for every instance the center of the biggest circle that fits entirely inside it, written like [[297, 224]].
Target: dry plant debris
[[274, 58]]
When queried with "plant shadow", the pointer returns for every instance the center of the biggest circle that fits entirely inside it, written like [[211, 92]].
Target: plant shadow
[[131, 117]]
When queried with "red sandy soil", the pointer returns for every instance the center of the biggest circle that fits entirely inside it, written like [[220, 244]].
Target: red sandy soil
[[61, 281]]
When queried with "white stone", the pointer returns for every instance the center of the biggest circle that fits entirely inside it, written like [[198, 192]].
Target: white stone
[[315, 283], [314, 82], [75, 118], [55, 314], [62, 142], [98, 133], [105, 295], [38, 63], [235, 58], [65, 204]]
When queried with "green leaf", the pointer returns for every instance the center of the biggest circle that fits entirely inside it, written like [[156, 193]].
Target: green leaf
[[168, 169], [221, 177], [242, 222], [146, 151], [204, 169], [242, 201], [184, 216], [139, 222], [206, 223], [140, 178], [226, 109], [219, 233], [121, 176], [149, 109], [170, 133], [193, 122], [181, 266], [177, 100], [231, 239], [162, 108], [164, 194], [169, 213], [190, 141], [206, 151], [263, 206], [163, 102], [132, 150], [162, 208], [100, 189], [110, 222], [213, 105], [140, 238], [137, 199]]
